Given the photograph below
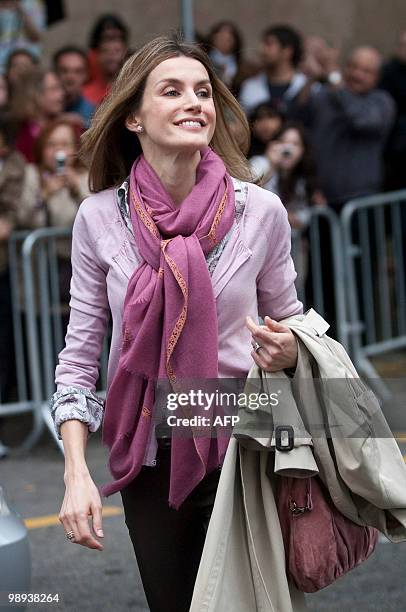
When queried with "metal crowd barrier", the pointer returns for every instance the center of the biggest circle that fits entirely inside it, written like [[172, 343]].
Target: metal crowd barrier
[[36, 300], [43, 320], [23, 401], [309, 244], [374, 233]]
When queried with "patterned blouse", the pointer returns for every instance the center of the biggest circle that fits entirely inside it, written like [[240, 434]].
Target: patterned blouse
[[82, 404]]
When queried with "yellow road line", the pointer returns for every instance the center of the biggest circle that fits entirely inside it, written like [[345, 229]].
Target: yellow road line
[[52, 519]]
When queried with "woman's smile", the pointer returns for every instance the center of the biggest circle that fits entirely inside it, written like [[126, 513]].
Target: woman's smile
[[190, 125]]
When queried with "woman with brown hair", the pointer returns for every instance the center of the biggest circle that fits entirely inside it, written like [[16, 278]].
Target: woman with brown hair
[[289, 171], [184, 253], [57, 182], [53, 188], [36, 98]]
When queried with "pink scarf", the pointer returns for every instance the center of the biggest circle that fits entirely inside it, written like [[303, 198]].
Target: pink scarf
[[169, 321]]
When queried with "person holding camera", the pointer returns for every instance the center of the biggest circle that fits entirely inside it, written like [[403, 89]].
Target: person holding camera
[[53, 188], [56, 183], [287, 169], [349, 120]]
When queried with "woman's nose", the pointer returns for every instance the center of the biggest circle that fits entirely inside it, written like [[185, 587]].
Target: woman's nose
[[193, 102]]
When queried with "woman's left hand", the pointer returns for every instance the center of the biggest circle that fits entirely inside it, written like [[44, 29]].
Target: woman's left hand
[[278, 345]]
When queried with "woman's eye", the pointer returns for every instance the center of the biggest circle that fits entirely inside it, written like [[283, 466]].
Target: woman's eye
[[203, 92]]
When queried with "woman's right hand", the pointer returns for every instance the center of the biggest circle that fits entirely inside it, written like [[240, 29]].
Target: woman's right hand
[[82, 499]]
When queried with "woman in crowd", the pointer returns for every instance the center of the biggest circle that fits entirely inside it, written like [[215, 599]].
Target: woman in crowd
[[185, 253], [36, 99], [288, 169], [53, 188], [225, 48]]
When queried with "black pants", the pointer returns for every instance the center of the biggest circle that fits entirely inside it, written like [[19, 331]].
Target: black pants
[[168, 543]]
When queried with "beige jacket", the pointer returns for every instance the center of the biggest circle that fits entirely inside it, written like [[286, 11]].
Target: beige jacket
[[59, 210], [243, 564]]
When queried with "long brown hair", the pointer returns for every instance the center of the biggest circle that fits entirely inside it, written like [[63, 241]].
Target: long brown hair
[[110, 148]]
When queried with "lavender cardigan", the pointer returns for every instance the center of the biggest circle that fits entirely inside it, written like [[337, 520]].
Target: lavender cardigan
[[252, 274]]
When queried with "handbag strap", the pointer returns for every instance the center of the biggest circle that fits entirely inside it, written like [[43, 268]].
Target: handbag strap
[[295, 508]]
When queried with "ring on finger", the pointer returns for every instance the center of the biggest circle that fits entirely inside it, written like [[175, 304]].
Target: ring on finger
[[256, 346], [70, 535]]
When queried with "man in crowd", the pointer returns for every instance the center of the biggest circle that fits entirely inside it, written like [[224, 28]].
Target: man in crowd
[[110, 55], [279, 82], [350, 120], [394, 81], [71, 65]]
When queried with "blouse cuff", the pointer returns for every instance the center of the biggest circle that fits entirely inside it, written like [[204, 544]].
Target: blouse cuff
[[76, 403]]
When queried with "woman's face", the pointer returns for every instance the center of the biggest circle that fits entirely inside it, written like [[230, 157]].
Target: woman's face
[[224, 40], [61, 138], [177, 112], [291, 149]]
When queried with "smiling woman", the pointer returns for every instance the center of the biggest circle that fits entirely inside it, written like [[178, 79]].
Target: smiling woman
[[170, 78], [180, 247]]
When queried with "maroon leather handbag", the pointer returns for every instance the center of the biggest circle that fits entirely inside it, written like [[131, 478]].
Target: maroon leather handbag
[[321, 544]]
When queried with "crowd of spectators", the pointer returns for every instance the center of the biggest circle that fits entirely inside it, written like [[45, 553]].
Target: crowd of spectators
[[44, 109], [324, 128]]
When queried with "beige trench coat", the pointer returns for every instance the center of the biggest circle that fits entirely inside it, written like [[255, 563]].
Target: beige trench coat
[[243, 563]]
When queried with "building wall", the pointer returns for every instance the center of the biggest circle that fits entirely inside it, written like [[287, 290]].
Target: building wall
[[345, 23]]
